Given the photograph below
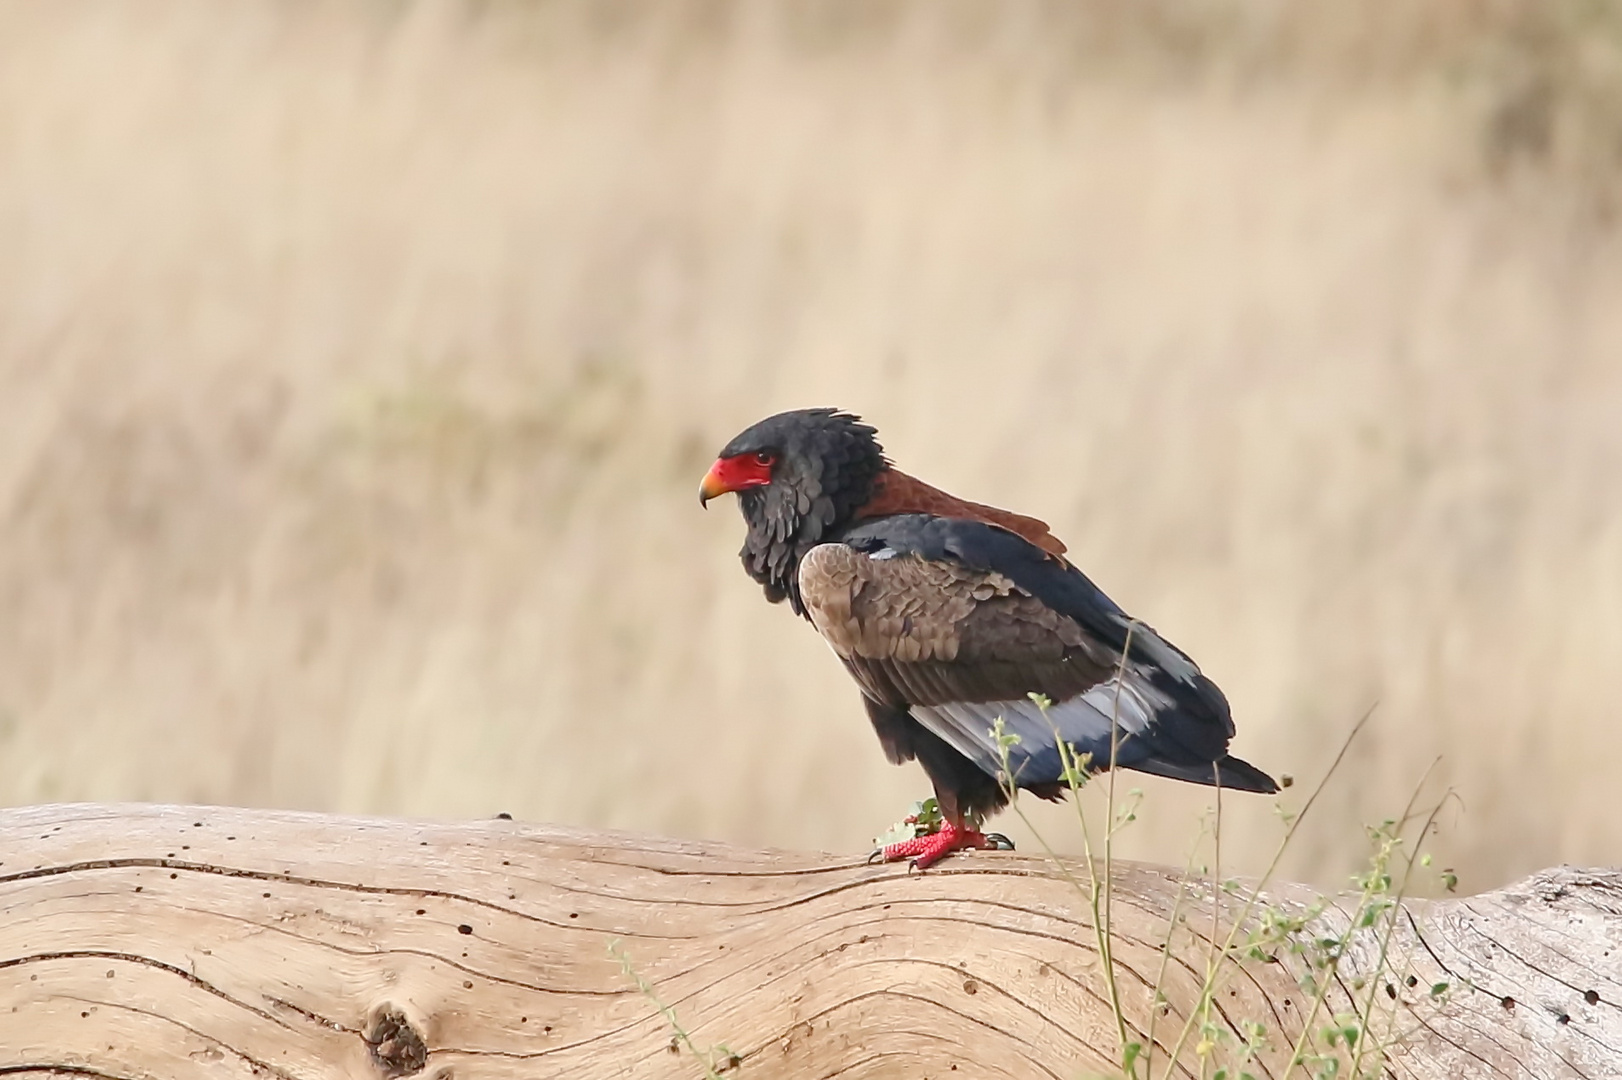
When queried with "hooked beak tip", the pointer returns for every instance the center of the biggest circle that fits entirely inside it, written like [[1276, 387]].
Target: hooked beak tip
[[712, 486]]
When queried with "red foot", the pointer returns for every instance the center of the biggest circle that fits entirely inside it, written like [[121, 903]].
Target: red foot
[[925, 851]]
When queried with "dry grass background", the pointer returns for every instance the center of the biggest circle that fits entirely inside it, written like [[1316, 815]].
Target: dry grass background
[[359, 363]]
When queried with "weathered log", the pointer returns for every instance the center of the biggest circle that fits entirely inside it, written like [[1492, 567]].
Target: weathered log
[[177, 942]]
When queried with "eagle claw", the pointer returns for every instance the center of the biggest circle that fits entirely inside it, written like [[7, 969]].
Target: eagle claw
[[924, 851]]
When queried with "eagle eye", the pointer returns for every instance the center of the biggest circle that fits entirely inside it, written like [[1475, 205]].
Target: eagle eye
[[766, 458]]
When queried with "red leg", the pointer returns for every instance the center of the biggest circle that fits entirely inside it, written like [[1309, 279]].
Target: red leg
[[925, 851]]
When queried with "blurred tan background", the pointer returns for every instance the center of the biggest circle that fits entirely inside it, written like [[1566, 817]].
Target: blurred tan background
[[359, 362]]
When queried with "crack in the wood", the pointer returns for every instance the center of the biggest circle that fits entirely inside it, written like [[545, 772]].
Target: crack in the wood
[[929, 901], [308, 882], [1419, 935], [1351, 997], [1088, 991], [982, 980], [320, 943], [761, 907], [312, 1017], [1506, 950], [1555, 929], [687, 996], [423, 953], [1489, 1035], [933, 1036], [846, 927], [891, 992], [1550, 886], [851, 1067], [1493, 1025], [60, 1069], [1199, 977], [1426, 1025], [1555, 1011], [253, 1063], [656, 1019], [757, 908], [771, 906], [670, 871], [1083, 946], [144, 961], [1084, 988]]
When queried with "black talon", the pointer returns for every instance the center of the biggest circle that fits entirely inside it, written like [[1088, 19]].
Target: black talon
[[875, 856], [996, 841]]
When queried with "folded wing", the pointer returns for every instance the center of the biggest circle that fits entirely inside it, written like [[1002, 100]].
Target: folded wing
[[961, 622]]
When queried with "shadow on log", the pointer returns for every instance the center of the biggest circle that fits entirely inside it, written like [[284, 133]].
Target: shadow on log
[[179, 942]]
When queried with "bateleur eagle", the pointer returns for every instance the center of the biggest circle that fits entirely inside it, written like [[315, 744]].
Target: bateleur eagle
[[950, 615]]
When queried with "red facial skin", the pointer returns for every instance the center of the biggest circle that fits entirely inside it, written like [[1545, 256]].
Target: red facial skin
[[736, 474]]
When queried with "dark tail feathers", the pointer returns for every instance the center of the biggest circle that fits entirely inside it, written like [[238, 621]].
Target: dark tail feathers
[[1236, 775]]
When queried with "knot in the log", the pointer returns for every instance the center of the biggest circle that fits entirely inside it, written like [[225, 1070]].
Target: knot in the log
[[146, 941]]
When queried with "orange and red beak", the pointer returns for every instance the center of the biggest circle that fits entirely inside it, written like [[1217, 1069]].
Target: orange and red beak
[[734, 474]]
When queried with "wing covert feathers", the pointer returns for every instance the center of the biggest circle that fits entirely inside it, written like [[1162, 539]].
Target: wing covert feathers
[[909, 609], [894, 492], [905, 609]]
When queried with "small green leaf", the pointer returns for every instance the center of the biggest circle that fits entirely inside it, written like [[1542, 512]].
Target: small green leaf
[[923, 819]]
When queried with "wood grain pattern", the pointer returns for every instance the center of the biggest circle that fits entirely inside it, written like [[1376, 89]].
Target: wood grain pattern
[[180, 942]]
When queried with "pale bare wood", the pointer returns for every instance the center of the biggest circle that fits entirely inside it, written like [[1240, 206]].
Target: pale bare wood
[[180, 942]]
